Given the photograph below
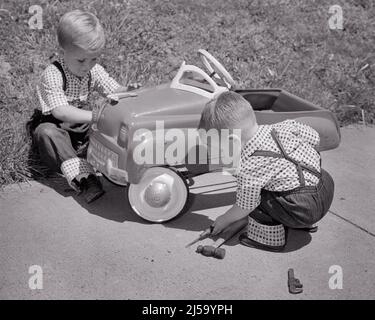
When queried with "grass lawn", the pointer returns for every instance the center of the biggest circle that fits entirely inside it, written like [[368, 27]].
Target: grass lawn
[[285, 44]]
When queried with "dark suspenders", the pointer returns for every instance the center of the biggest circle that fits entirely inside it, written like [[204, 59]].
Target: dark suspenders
[[283, 155], [59, 66], [38, 118], [50, 117]]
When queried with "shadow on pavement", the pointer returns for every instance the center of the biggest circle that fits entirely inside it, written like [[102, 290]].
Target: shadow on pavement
[[193, 221], [114, 205], [296, 241]]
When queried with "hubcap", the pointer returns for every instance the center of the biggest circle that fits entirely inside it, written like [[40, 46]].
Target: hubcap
[[157, 194]]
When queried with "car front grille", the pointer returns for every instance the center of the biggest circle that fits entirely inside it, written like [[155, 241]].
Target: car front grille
[[98, 154]]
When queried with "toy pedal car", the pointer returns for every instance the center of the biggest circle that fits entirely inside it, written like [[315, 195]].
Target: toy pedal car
[[143, 141]]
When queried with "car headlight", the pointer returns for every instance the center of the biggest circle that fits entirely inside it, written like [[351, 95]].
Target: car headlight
[[97, 112], [123, 136]]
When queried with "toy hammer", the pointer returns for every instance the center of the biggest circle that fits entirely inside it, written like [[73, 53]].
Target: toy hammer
[[211, 251], [215, 249]]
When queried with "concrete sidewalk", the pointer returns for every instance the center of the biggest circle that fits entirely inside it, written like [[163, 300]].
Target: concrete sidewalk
[[104, 251]]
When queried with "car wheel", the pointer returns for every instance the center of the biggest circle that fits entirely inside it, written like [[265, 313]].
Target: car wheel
[[160, 195]]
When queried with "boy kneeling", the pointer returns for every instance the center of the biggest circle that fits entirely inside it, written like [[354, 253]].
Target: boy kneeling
[[280, 179]]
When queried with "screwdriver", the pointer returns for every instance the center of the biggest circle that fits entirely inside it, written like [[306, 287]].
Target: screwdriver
[[203, 235]]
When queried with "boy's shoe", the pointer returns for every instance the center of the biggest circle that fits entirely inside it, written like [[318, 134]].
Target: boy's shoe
[[91, 188], [311, 229]]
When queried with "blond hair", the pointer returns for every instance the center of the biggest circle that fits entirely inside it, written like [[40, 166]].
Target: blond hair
[[227, 111], [81, 29]]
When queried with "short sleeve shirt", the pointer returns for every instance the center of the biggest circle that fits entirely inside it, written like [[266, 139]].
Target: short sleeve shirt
[[52, 95], [276, 174]]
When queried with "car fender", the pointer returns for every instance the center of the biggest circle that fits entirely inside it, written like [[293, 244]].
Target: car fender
[[159, 146], [146, 150]]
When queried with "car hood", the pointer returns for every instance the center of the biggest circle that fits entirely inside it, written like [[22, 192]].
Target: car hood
[[158, 103], [160, 100]]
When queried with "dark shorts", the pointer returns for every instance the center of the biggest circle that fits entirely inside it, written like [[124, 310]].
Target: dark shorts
[[300, 207]]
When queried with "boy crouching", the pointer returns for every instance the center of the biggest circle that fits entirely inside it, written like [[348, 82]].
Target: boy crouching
[[280, 179]]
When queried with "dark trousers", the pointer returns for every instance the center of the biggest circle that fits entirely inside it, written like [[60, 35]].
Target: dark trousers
[[300, 207], [58, 142]]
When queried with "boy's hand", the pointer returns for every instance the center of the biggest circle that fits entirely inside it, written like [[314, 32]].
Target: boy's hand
[[220, 224], [233, 214], [120, 95], [123, 92], [134, 86]]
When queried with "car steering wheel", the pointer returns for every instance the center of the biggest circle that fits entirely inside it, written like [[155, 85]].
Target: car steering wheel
[[216, 69]]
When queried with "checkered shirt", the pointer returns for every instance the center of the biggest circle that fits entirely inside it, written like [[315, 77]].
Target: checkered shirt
[[51, 95], [50, 89], [276, 174]]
